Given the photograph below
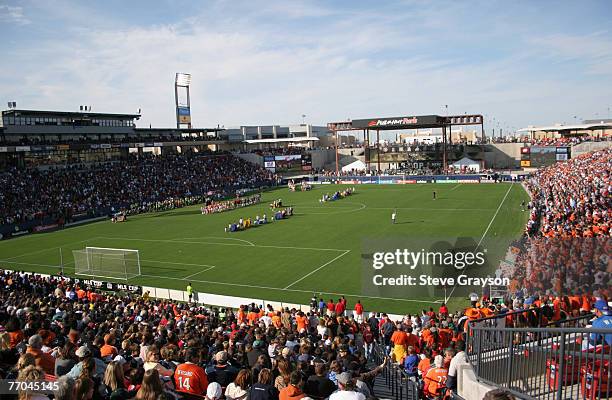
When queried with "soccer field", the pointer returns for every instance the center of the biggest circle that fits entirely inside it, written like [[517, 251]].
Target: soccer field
[[320, 249]]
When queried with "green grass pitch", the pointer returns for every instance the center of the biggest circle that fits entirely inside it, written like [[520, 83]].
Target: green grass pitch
[[318, 250]]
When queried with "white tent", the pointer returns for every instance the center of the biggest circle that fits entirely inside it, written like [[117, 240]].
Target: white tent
[[468, 164], [355, 165]]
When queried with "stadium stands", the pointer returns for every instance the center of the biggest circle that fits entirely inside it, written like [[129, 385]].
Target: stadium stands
[[139, 184]]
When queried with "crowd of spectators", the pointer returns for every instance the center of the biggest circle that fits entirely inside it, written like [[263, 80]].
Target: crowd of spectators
[[567, 239], [109, 345], [546, 141], [141, 183], [119, 346]]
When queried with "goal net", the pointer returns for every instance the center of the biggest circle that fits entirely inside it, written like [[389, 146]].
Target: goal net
[[107, 263]]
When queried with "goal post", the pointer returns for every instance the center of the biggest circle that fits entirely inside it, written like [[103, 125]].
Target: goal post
[[106, 262]]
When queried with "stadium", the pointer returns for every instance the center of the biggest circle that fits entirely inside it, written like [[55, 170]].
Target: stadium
[[409, 256]]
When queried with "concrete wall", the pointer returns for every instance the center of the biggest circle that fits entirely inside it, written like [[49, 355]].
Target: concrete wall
[[588, 147], [468, 386], [320, 158], [503, 155]]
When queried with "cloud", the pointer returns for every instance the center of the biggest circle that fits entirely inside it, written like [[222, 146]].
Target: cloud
[[259, 67], [13, 14], [593, 50]]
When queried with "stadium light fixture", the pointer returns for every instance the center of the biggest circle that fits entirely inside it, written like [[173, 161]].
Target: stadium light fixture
[[183, 79]]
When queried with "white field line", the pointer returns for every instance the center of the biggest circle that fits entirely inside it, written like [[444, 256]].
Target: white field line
[[292, 290], [216, 237], [483, 235], [30, 264], [48, 249], [494, 215], [313, 271], [199, 272], [221, 244], [455, 187], [431, 209], [332, 209]]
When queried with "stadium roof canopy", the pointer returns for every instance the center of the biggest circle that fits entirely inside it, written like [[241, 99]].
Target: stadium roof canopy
[[283, 140], [569, 128], [407, 122], [74, 114]]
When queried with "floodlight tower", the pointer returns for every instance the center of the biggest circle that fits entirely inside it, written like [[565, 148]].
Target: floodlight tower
[[181, 99]]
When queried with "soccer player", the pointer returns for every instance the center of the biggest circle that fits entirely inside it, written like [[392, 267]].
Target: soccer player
[[393, 216], [434, 194]]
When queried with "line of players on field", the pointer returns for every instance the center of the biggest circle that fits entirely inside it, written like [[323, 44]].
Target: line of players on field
[[337, 195], [246, 223]]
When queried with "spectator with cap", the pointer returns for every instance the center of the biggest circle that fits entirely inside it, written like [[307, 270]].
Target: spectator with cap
[[213, 392], [259, 349], [603, 321], [293, 391], [43, 360], [346, 389], [84, 355]]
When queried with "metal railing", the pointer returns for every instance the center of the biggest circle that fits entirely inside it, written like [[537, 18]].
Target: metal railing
[[561, 360], [401, 387]]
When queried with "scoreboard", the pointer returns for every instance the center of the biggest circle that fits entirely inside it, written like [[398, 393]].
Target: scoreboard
[[542, 156]]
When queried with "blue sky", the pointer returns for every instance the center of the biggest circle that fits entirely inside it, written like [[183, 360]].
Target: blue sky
[[267, 62]]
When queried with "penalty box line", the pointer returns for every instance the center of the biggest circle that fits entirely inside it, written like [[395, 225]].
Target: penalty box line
[[316, 270], [223, 244]]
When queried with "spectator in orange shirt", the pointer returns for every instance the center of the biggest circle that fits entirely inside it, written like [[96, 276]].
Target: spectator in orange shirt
[[43, 360], [14, 331], [400, 344], [425, 363], [108, 350], [435, 379], [301, 321], [189, 377], [293, 391], [277, 321]]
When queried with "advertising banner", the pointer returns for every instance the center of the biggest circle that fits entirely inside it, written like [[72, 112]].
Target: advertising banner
[[184, 114]]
